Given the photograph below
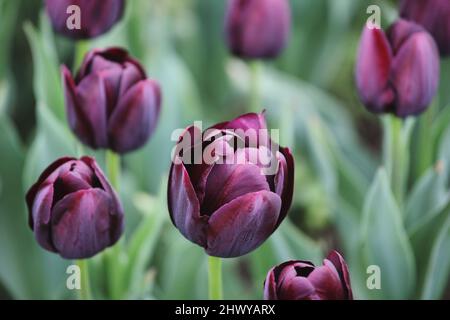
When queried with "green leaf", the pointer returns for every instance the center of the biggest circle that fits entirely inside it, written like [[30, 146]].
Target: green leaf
[[52, 141], [47, 79], [438, 268], [428, 197], [26, 270], [385, 243], [143, 242]]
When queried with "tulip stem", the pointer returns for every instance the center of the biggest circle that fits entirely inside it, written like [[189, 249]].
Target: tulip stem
[[81, 48], [397, 135], [113, 169], [85, 289], [255, 89], [113, 255], [215, 278]]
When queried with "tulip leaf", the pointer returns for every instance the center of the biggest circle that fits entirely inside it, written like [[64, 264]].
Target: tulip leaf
[[47, 79], [52, 141], [385, 243], [26, 270], [438, 267], [143, 242], [428, 197]]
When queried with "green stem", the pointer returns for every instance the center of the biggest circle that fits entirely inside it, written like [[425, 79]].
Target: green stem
[[113, 169], [425, 141], [112, 256], [396, 154], [85, 290], [255, 89], [81, 48], [215, 278]]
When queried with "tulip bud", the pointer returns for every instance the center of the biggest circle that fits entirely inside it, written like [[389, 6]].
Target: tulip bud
[[433, 15], [73, 210], [229, 204], [111, 104], [301, 280], [92, 18], [397, 73], [257, 29]]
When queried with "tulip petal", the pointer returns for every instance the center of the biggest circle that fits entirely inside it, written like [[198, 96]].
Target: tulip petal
[[341, 266], [327, 283], [40, 215], [50, 171], [256, 121], [297, 288], [76, 115], [243, 224], [184, 207], [284, 181], [117, 214], [135, 117], [415, 74], [373, 70], [81, 224], [97, 16], [227, 182], [93, 101], [270, 287]]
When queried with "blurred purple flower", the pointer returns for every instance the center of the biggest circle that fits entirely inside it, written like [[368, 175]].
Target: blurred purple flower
[[397, 72], [96, 17], [434, 15], [302, 280], [111, 103], [73, 210], [230, 207], [257, 29]]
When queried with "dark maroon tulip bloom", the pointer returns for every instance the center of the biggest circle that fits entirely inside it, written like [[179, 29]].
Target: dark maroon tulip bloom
[[257, 29], [111, 103], [397, 72], [73, 210], [302, 280], [96, 16], [434, 15], [229, 206]]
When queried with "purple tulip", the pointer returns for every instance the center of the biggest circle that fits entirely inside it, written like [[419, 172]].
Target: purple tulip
[[96, 17], [73, 210], [230, 205], [257, 29], [301, 280], [111, 103], [434, 15], [399, 72]]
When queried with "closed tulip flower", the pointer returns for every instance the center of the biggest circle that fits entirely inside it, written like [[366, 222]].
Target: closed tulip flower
[[230, 205], [434, 15], [111, 103], [301, 280], [73, 210], [96, 17], [257, 29], [399, 72]]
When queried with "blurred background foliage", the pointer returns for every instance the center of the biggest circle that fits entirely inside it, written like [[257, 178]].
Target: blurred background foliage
[[343, 198]]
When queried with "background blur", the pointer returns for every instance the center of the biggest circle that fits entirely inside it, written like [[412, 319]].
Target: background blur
[[309, 93]]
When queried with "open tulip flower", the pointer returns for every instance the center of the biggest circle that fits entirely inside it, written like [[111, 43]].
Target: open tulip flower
[[301, 280], [96, 16], [434, 15], [111, 103], [73, 210], [230, 204], [397, 72], [257, 29]]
